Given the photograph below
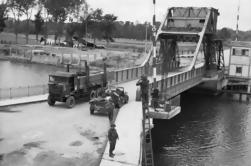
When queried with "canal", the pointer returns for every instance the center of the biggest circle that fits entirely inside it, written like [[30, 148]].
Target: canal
[[14, 74], [211, 130]]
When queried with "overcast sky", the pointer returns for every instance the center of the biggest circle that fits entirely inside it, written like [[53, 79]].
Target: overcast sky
[[142, 10]]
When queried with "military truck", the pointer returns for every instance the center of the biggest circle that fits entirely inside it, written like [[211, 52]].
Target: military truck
[[69, 86]]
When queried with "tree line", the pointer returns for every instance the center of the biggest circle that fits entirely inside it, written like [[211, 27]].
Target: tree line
[[66, 18], [71, 18]]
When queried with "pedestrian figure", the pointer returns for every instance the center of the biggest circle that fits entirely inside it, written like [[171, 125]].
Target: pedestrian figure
[[144, 86], [112, 137]]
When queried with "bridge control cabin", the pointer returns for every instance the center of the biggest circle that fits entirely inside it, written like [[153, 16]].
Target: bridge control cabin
[[239, 64], [239, 73]]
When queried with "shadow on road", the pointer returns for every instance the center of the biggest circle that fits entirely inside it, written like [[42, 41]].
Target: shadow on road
[[8, 110]]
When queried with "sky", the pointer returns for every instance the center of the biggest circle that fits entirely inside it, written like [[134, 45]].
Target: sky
[[142, 10]]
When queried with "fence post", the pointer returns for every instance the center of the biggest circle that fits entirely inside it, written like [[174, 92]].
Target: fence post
[[28, 90]]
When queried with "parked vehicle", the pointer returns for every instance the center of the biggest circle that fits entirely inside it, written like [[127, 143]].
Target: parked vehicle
[[68, 87], [119, 96], [101, 105]]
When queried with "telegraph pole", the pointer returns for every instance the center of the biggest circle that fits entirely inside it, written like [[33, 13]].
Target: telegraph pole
[[154, 46], [237, 23]]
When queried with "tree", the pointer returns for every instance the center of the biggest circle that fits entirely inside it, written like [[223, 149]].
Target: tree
[[224, 34], [109, 26], [20, 7], [13, 6], [3, 16], [59, 10], [95, 24], [39, 22]]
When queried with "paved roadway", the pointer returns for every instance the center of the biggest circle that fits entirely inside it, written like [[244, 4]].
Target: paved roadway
[[36, 134]]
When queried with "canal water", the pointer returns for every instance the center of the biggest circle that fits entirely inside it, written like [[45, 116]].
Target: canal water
[[210, 131], [13, 74]]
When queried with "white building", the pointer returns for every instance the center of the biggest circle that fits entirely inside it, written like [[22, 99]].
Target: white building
[[240, 60]]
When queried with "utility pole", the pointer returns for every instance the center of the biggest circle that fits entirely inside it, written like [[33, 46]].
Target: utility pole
[[154, 47], [237, 23], [146, 38], [146, 122]]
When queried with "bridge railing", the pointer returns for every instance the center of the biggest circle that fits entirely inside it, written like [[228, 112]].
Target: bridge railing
[[122, 75], [174, 85], [24, 91]]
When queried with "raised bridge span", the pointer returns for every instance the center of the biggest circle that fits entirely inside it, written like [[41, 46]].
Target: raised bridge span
[[188, 55]]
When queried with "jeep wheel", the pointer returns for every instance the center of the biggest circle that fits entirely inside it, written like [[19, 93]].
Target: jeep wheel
[[50, 101], [70, 102]]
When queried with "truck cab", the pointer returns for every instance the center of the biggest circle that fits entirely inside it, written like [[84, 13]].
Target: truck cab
[[62, 87], [70, 86]]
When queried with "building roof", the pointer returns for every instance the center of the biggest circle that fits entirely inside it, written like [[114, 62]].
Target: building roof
[[241, 44], [63, 74]]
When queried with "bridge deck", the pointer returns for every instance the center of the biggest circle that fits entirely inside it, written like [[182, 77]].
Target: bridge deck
[[129, 128]]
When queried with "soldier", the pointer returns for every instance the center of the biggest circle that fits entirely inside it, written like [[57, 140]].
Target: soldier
[[112, 137], [144, 86]]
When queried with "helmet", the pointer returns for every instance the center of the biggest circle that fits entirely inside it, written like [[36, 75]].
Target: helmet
[[143, 77]]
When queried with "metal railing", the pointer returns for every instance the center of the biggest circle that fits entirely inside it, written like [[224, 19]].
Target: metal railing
[[18, 92], [122, 75], [172, 86]]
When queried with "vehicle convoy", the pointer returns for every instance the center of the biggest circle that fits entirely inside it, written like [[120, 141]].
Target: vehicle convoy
[[68, 86]]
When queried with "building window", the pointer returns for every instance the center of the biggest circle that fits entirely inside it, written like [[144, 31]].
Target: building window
[[233, 51], [244, 52], [239, 70]]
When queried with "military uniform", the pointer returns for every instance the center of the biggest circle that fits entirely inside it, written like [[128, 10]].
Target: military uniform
[[112, 137], [144, 86]]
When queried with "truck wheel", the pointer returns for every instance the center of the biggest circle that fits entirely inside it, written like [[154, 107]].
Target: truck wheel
[[91, 109], [70, 102], [50, 101]]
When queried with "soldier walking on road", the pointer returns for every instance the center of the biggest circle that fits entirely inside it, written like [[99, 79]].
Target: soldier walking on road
[[112, 137]]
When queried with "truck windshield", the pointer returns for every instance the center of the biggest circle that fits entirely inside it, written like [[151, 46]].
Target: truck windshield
[[58, 79]]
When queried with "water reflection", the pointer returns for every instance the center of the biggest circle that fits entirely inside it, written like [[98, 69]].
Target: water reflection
[[209, 131], [22, 74]]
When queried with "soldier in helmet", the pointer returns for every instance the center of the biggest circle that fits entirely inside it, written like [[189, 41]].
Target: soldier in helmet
[[144, 86], [112, 137]]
